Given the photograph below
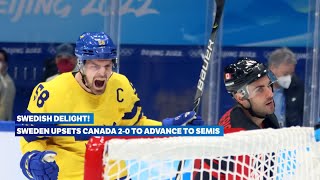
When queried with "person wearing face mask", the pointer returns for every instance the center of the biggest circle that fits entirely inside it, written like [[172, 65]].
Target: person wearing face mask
[[93, 88], [65, 61], [7, 89], [288, 90]]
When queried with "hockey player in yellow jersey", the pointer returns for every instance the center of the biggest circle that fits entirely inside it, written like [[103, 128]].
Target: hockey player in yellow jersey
[[95, 88]]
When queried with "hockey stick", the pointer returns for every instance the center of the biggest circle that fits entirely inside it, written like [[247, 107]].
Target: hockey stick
[[205, 66], [208, 53]]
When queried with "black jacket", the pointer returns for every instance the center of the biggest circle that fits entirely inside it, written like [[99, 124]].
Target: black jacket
[[294, 102]]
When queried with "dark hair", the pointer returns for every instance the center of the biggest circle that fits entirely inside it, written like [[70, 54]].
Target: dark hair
[[5, 54]]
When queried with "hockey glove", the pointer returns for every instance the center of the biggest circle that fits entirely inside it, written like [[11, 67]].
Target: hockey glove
[[187, 118], [38, 165], [317, 132]]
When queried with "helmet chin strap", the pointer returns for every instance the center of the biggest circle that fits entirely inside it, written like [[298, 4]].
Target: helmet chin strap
[[251, 112], [83, 77]]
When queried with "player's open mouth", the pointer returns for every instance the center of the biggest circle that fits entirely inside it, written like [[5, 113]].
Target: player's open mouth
[[269, 103], [99, 83]]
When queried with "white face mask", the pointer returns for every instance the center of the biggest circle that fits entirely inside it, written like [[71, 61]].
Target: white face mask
[[284, 81]]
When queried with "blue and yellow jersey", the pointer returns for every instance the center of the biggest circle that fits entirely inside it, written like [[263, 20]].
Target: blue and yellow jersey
[[118, 105]]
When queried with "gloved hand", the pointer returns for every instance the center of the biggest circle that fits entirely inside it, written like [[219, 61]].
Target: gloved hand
[[187, 118], [38, 165], [317, 132]]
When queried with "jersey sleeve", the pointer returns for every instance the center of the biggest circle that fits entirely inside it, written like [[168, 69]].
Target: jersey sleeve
[[29, 143], [144, 121], [39, 99], [36, 105]]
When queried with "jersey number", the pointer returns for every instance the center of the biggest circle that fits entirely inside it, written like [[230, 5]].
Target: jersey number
[[42, 97]]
